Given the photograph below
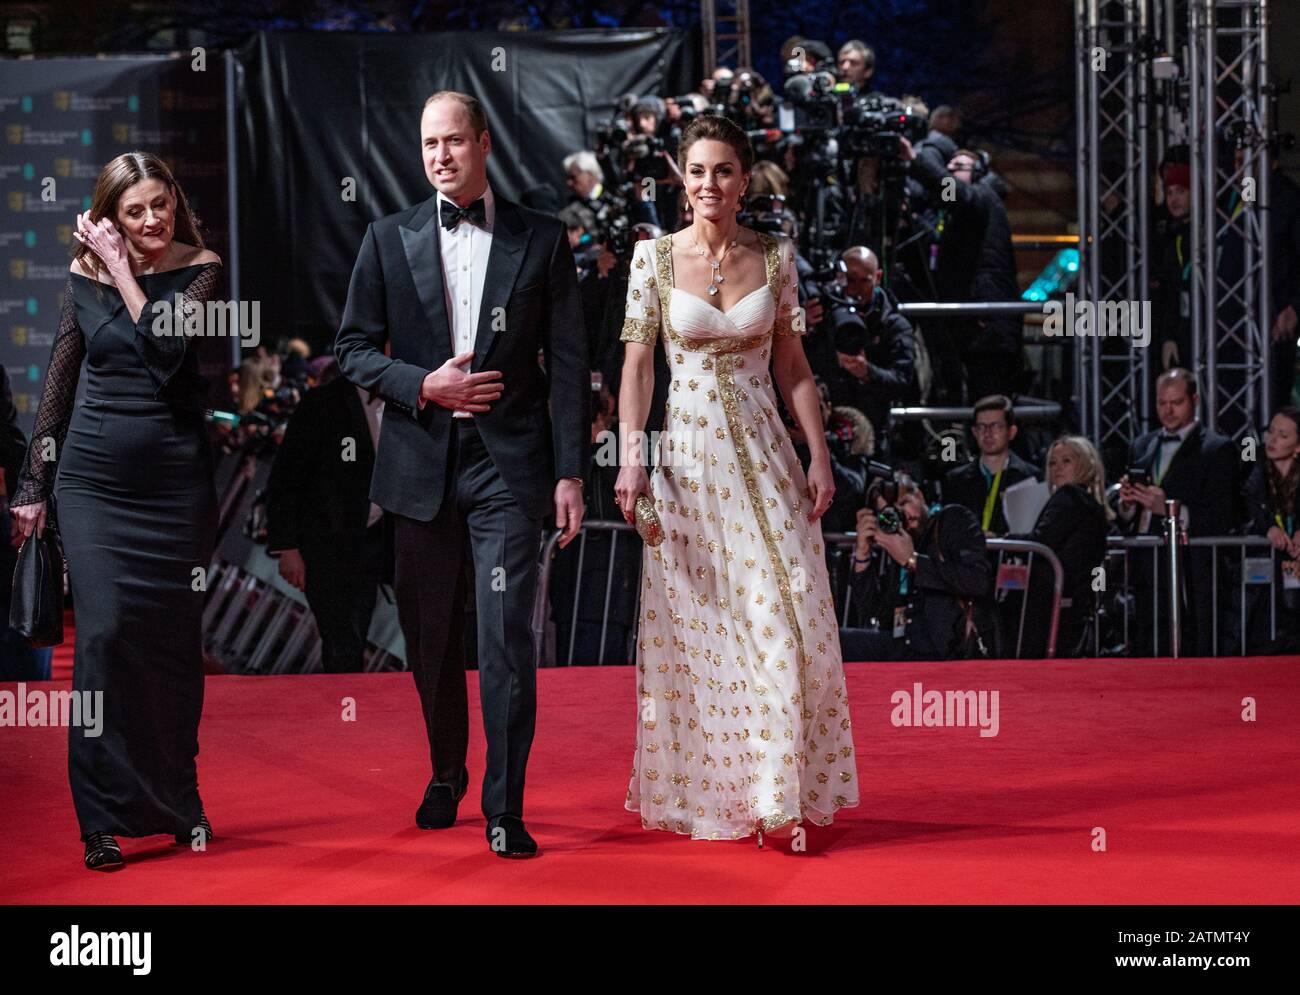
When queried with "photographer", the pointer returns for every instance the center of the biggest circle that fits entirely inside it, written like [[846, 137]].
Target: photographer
[[974, 262], [874, 345], [856, 63], [634, 160], [921, 583]]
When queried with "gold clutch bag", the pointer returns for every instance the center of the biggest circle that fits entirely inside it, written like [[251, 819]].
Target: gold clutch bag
[[648, 525]]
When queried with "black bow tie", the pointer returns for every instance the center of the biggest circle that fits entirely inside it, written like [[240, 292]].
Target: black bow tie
[[1166, 437], [449, 214]]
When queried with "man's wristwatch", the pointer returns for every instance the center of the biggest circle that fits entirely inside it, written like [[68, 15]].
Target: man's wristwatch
[[578, 479], [911, 563]]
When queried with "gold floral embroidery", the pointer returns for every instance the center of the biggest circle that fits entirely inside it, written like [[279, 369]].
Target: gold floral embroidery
[[731, 407], [639, 330]]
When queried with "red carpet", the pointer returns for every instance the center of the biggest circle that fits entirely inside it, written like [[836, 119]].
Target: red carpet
[[1197, 805]]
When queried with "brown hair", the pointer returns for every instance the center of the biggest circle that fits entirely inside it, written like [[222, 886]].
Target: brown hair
[[719, 129], [120, 175], [996, 402], [1282, 490], [477, 116]]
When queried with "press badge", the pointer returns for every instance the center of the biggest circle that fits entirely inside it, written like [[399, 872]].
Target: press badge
[[1291, 575], [900, 621]]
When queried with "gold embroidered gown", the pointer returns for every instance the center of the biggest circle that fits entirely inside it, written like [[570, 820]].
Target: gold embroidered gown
[[743, 715]]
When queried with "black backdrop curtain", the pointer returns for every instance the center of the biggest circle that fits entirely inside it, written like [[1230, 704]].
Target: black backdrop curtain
[[329, 137]]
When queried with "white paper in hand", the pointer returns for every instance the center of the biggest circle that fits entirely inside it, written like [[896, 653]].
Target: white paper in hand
[[1022, 503]]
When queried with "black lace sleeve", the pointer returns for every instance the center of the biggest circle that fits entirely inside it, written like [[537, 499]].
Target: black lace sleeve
[[36, 480], [162, 355]]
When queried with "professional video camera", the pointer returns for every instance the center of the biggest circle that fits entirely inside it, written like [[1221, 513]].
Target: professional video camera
[[816, 99], [686, 105], [851, 323], [766, 212], [733, 97], [873, 125], [617, 146]]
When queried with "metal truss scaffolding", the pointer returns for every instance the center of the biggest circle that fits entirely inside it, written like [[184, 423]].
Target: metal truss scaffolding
[[726, 34], [1113, 73], [1230, 135]]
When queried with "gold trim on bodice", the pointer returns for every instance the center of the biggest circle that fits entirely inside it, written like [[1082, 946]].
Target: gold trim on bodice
[[664, 268]]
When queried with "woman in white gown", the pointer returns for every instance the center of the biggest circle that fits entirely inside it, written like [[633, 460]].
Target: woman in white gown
[[743, 715]]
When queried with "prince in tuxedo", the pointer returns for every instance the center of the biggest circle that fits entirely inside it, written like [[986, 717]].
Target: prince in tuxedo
[[486, 433]]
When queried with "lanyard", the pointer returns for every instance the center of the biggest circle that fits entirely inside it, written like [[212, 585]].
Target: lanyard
[[1288, 528], [991, 498], [1187, 266], [1236, 204]]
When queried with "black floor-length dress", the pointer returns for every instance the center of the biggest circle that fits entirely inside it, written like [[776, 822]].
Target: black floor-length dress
[[136, 510]]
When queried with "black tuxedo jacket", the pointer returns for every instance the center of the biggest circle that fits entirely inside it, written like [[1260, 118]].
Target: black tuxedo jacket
[[1204, 476], [316, 501], [539, 430]]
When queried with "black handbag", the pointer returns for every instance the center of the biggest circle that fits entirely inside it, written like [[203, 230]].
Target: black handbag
[[36, 607]]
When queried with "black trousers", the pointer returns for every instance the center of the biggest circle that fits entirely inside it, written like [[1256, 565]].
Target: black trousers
[[342, 581], [478, 515]]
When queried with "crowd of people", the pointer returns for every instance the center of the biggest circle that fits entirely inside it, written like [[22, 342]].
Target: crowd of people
[[920, 216], [392, 458], [916, 214]]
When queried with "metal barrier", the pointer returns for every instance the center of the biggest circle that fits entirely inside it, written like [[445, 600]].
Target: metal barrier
[[967, 309], [253, 621], [832, 539], [1124, 546], [1031, 411], [1001, 547]]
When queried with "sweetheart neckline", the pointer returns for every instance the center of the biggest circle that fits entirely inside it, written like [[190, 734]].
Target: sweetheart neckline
[[727, 311]]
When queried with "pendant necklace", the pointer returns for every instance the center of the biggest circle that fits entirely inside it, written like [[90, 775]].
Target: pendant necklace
[[716, 276]]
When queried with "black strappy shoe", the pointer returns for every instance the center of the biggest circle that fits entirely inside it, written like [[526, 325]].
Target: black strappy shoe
[[103, 853], [187, 839]]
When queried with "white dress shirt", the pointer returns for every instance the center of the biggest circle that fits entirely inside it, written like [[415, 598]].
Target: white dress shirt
[[1166, 450], [464, 267], [374, 412]]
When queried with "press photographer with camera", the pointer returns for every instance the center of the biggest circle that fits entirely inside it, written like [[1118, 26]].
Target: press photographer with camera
[[922, 583], [856, 63], [874, 345], [642, 177], [972, 261]]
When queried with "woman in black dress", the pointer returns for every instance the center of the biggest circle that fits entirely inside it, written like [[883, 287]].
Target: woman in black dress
[[1074, 524], [135, 503]]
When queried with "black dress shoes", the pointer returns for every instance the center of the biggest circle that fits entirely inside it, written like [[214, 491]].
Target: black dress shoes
[[507, 837], [103, 853], [438, 810], [204, 827]]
